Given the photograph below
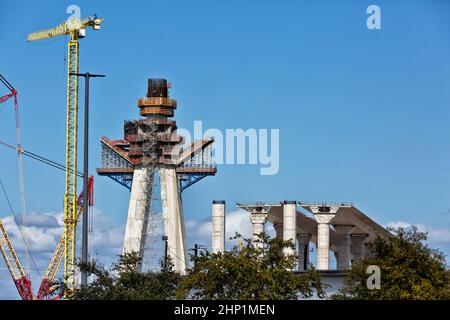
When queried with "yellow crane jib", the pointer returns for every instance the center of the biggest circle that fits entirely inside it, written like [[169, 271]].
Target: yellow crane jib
[[75, 28], [66, 28]]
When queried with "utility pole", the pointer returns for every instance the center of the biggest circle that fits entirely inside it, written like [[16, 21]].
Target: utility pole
[[197, 248], [85, 228], [165, 239]]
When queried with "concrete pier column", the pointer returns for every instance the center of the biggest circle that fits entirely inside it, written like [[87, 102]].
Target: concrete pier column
[[336, 257], [303, 240], [290, 224], [343, 235], [218, 226], [258, 221], [173, 219], [138, 211], [278, 230], [357, 244], [323, 216]]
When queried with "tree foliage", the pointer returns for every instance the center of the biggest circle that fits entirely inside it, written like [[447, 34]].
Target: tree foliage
[[242, 273], [410, 269], [123, 281], [247, 272]]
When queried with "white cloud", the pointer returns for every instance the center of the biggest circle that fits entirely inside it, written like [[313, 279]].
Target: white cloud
[[435, 234], [106, 238], [235, 221], [47, 220], [44, 231]]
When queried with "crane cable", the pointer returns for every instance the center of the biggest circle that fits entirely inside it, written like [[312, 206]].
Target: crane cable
[[39, 158], [27, 249], [22, 185], [21, 176]]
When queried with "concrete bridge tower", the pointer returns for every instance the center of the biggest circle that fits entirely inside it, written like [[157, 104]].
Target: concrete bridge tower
[[151, 152]]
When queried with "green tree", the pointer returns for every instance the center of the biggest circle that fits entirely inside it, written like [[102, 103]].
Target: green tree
[[410, 269], [122, 281], [247, 272]]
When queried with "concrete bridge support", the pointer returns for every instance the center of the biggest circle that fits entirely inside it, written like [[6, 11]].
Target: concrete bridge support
[[323, 216], [290, 226], [218, 226], [138, 211], [278, 230], [357, 244], [343, 257], [303, 240], [258, 221], [173, 219]]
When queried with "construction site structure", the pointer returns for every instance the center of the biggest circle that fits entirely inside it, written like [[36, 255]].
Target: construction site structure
[[335, 229], [21, 280], [46, 287], [75, 29], [152, 148], [14, 94], [340, 228]]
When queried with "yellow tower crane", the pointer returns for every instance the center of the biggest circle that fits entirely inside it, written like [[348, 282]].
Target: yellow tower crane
[[76, 29]]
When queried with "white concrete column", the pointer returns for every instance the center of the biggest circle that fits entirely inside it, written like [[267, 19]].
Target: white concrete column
[[173, 219], [303, 240], [357, 244], [138, 211], [258, 221], [323, 216], [218, 226], [290, 224], [278, 230], [343, 235]]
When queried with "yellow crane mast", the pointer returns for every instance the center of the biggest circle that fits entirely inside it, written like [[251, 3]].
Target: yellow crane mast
[[76, 29], [45, 288]]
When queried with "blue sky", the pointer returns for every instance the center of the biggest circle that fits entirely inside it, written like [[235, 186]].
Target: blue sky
[[363, 114]]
